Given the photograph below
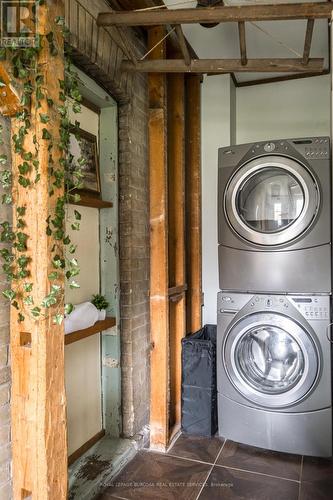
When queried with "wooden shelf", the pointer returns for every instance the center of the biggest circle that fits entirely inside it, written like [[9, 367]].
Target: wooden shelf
[[99, 326], [90, 201]]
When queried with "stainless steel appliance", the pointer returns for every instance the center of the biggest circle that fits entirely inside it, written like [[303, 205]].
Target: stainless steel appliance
[[274, 371], [275, 216]]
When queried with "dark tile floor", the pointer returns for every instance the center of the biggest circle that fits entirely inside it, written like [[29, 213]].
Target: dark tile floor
[[208, 469]]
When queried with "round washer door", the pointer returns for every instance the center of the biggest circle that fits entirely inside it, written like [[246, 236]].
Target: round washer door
[[271, 200], [271, 360]]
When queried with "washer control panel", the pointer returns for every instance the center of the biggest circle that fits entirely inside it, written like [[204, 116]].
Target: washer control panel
[[311, 307]]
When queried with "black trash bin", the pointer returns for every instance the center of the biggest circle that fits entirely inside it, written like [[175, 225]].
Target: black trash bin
[[199, 391]]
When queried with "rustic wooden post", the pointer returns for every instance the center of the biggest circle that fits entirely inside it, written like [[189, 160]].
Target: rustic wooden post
[[193, 202], [176, 215], [159, 303], [38, 394]]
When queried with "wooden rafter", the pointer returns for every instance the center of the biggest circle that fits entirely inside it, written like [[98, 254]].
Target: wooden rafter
[[308, 40], [225, 66], [284, 78], [183, 44], [242, 42], [273, 12]]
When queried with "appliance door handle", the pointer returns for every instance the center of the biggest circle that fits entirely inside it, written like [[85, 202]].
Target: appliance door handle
[[328, 335]]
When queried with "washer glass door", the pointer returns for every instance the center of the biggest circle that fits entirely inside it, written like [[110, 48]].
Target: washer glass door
[[271, 359], [271, 200]]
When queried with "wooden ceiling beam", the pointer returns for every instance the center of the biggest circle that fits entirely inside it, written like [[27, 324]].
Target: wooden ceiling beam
[[183, 44], [284, 78], [308, 40], [273, 12], [242, 42], [224, 66]]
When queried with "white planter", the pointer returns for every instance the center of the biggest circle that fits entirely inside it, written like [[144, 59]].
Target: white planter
[[101, 314]]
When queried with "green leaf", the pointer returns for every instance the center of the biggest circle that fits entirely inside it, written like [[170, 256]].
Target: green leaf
[[73, 284], [58, 262], [77, 215], [27, 287], [75, 226], [9, 294], [3, 159], [66, 240], [35, 312], [44, 118], [46, 134], [49, 301], [28, 301], [55, 289], [21, 211], [69, 308], [23, 181], [58, 319], [27, 156], [53, 276], [24, 168], [20, 317], [7, 199], [72, 249]]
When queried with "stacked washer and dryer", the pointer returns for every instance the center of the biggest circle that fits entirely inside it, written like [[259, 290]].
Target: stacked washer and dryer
[[274, 309]]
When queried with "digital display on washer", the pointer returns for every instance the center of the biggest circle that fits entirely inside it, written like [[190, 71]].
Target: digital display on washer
[[302, 301]]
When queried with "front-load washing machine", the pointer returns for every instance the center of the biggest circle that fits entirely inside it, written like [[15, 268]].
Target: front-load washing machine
[[274, 371], [274, 212]]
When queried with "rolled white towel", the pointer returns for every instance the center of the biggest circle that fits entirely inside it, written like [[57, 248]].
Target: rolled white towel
[[83, 316]]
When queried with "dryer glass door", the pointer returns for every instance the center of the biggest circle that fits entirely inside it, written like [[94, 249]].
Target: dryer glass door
[[271, 359], [271, 200]]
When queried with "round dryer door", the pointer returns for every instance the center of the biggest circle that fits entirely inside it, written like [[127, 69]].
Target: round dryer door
[[271, 200], [271, 359]]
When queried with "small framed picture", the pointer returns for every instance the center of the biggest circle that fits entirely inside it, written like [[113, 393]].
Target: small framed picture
[[84, 145]]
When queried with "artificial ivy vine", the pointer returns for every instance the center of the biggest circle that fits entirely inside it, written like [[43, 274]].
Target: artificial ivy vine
[[62, 172]]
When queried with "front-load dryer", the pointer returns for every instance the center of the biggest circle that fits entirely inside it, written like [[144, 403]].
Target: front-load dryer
[[274, 371], [274, 213]]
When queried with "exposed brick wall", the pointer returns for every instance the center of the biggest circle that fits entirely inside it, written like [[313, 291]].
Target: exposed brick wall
[[99, 53], [5, 444], [134, 257]]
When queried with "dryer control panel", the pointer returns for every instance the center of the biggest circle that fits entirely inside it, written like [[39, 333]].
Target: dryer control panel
[[312, 308]]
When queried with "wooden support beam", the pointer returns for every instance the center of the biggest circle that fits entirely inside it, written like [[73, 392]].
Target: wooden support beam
[[176, 227], [224, 66], [183, 44], [308, 40], [193, 203], [159, 300], [38, 401], [272, 12], [242, 42]]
